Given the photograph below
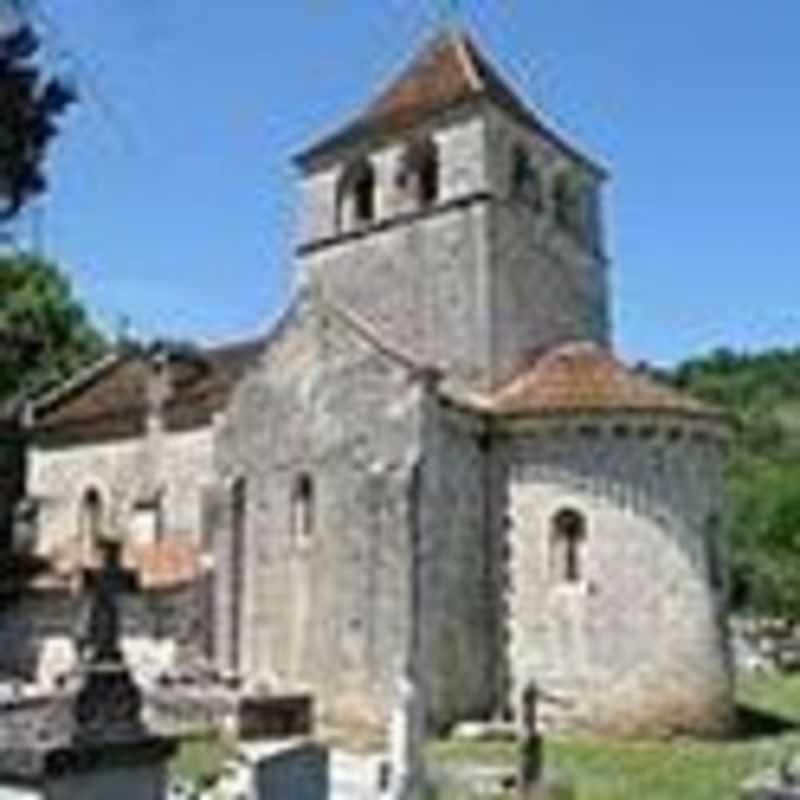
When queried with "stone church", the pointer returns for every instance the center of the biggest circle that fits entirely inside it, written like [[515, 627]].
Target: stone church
[[434, 460]]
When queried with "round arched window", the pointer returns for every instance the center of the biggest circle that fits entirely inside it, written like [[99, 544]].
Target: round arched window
[[568, 536]]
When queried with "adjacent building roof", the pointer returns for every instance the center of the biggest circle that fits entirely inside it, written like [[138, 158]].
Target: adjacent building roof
[[166, 564], [449, 70], [586, 377], [112, 399]]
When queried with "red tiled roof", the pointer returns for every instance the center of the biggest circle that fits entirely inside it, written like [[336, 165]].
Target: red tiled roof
[[164, 564], [173, 561], [112, 401], [449, 70], [583, 376]]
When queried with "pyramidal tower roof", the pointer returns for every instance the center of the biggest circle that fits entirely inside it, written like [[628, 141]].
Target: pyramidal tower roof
[[449, 70]]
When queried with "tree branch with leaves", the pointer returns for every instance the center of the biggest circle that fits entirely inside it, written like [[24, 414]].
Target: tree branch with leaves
[[31, 104]]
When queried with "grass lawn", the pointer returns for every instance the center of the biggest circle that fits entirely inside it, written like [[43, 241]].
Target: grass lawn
[[200, 758], [677, 770]]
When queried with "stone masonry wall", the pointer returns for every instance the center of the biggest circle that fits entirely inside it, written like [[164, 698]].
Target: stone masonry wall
[[546, 288], [326, 610], [418, 277], [638, 644], [421, 286], [123, 472], [459, 647]]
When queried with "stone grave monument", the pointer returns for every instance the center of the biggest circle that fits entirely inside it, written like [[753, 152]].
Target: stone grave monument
[[92, 743]]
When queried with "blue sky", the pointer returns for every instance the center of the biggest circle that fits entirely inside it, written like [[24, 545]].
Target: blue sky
[[173, 196]]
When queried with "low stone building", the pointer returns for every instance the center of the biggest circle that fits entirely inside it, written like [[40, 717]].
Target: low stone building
[[123, 449]]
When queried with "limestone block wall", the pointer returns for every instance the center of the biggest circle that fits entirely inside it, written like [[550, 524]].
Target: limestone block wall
[[123, 472], [637, 643], [456, 552], [459, 139], [417, 276], [421, 285], [546, 287], [324, 598]]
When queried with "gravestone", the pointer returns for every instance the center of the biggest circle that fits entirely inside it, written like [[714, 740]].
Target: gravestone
[[530, 756], [532, 783], [782, 783], [274, 716], [296, 770], [94, 744]]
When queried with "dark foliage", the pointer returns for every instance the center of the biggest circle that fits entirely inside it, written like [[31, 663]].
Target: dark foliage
[[762, 393], [30, 106], [45, 332]]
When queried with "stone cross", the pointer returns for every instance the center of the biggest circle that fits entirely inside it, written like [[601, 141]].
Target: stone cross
[[108, 705], [100, 643], [530, 745]]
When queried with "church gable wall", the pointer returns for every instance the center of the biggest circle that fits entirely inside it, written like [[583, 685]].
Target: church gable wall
[[324, 437], [123, 472], [629, 628]]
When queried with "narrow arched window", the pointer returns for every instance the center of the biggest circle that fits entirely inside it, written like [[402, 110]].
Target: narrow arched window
[[91, 524], [92, 513], [356, 196], [364, 196], [421, 173], [238, 519], [302, 508], [526, 183], [568, 204], [716, 568], [568, 537]]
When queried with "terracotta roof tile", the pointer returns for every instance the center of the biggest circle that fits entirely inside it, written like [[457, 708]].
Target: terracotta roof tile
[[171, 562], [583, 376], [447, 71], [112, 402]]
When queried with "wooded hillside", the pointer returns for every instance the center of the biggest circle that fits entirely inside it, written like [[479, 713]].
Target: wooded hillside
[[762, 391]]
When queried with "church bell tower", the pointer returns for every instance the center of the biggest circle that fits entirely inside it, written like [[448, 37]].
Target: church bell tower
[[454, 223]]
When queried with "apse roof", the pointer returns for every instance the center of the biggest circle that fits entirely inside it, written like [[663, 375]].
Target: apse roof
[[587, 377]]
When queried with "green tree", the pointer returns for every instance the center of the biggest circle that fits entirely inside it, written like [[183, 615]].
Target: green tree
[[762, 393], [765, 537], [30, 105], [38, 307]]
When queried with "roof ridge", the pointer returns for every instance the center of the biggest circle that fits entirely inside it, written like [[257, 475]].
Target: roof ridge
[[367, 332], [466, 56], [79, 379]]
